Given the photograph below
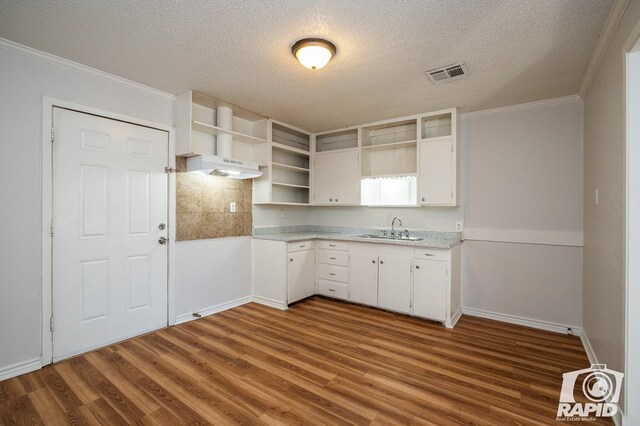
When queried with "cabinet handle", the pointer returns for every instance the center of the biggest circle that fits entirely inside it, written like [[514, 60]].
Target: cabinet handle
[[373, 261], [332, 258], [336, 200], [429, 254], [291, 260], [381, 262], [331, 199], [332, 274], [423, 199], [417, 266], [332, 245], [302, 245], [332, 289]]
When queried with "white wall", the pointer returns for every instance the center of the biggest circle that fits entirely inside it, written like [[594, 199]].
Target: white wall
[[24, 80], [266, 215], [210, 273], [604, 224], [523, 182]]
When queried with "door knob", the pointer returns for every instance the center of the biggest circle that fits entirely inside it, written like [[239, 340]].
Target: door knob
[[162, 226], [162, 240]]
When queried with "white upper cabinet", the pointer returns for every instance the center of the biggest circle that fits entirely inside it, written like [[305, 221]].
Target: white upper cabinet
[[205, 125], [336, 178], [438, 169]]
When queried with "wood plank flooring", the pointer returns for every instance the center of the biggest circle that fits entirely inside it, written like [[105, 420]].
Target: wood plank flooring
[[320, 362]]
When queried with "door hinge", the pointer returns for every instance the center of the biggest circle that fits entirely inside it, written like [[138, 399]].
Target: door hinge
[[169, 170], [53, 134], [52, 228], [51, 323]]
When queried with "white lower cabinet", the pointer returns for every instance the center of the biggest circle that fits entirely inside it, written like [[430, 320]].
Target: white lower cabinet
[[363, 278], [283, 273], [422, 282], [333, 270], [430, 289], [436, 284], [380, 275], [301, 277]]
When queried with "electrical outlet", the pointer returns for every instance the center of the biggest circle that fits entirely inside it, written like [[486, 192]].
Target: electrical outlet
[[283, 214], [597, 196], [232, 207], [458, 226]]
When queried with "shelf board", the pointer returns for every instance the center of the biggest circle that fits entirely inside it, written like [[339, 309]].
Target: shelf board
[[394, 175], [292, 168], [389, 145], [435, 138], [290, 185], [289, 149], [287, 204], [215, 130]]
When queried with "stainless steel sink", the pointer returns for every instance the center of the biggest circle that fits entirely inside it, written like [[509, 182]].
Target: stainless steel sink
[[387, 237]]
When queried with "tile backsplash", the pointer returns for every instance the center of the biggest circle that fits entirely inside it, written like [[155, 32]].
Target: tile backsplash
[[202, 205]]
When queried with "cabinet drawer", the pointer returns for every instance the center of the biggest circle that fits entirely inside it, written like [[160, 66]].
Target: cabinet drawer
[[333, 289], [332, 273], [300, 246], [432, 254], [330, 257], [333, 245]]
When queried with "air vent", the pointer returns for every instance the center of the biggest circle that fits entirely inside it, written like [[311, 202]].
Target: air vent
[[451, 72]]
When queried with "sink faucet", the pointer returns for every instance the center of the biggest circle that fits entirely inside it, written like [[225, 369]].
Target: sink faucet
[[393, 225]]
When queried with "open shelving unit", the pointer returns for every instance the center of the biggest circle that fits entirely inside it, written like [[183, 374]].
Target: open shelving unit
[[390, 149], [337, 140], [286, 179], [198, 129]]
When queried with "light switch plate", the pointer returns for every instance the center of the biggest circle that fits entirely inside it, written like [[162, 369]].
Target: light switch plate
[[283, 213], [458, 226], [232, 207]]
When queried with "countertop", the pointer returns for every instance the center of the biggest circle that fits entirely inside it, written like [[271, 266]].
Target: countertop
[[431, 239]]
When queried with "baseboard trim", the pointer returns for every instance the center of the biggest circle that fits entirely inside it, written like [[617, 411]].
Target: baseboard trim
[[20, 368], [527, 322], [270, 302], [617, 419], [180, 319], [454, 319]]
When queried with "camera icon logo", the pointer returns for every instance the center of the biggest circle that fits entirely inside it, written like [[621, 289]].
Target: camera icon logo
[[600, 385]]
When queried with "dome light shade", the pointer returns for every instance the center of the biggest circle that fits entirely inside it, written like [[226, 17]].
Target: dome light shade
[[313, 53]]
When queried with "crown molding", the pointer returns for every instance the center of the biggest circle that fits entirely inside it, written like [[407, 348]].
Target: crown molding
[[56, 60], [617, 11], [525, 106]]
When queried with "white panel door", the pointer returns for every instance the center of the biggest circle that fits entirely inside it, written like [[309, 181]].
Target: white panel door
[[109, 199], [430, 289], [394, 283], [363, 278], [301, 280], [436, 172]]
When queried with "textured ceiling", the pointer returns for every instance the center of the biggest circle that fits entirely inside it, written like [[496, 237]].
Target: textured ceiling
[[239, 51]]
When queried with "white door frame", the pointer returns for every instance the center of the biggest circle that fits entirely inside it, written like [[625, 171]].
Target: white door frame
[[632, 214], [47, 208]]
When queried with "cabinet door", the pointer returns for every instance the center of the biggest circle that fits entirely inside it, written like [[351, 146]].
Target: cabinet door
[[301, 275], [336, 178], [430, 289], [436, 172], [347, 167], [394, 284], [363, 279]]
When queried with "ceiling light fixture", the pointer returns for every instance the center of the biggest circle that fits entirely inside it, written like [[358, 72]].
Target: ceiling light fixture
[[313, 53]]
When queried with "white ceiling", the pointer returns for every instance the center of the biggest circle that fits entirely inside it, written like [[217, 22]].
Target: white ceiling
[[239, 51]]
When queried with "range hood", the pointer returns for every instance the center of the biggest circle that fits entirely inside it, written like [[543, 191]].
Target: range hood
[[218, 166]]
